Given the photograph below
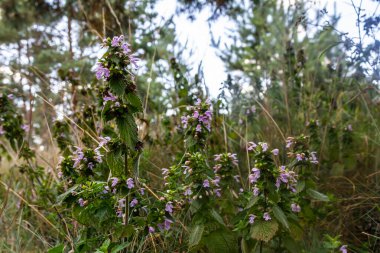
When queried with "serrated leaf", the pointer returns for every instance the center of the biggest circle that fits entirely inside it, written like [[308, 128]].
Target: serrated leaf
[[221, 241], [264, 230], [127, 130], [117, 85], [317, 195], [217, 217], [196, 235], [135, 101], [280, 216], [116, 164], [251, 202], [300, 186]]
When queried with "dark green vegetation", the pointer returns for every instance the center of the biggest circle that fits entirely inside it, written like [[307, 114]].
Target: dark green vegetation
[[115, 159]]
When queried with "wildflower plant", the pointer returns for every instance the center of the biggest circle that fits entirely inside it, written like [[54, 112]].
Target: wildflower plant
[[101, 178]]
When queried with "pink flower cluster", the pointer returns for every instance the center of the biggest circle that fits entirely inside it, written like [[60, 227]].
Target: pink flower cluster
[[201, 115]]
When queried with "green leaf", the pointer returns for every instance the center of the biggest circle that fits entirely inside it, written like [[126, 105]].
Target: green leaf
[[57, 249], [117, 85], [120, 247], [134, 100], [251, 202], [104, 247], [264, 230], [280, 216], [300, 186], [221, 241], [127, 130], [317, 195], [196, 235], [116, 164], [217, 217], [68, 193]]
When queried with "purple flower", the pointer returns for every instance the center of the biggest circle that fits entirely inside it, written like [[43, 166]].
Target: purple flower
[[25, 127], [208, 114], [206, 183], [299, 157], [165, 171], [275, 151], [313, 158], [104, 140], [119, 213], [264, 145], [188, 192], [60, 174], [295, 208], [254, 176], [195, 114], [187, 169], [199, 101], [267, 216], [253, 109], [251, 218], [217, 157], [102, 72], [151, 229], [90, 165], [289, 142], [198, 128], [216, 181], [133, 203], [278, 183], [98, 158], [2, 131], [106, 189], [10, 96], [256, 191], [109, 97], [78, 156], [115, 180], [349, 128], [142, 191], [217, 192], [125, 47], [167, 224], [343, 249], [133, 59], [184, 120], [217, 168], [121, 203], [130, 183], [251, 146], [117, 40], [169, 207], [81, 202]]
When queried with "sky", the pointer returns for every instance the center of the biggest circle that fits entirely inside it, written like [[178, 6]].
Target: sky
[[197, 33]]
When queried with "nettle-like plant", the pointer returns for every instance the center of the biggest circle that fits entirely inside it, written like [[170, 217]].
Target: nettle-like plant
[[103, 188], [267, 208]]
